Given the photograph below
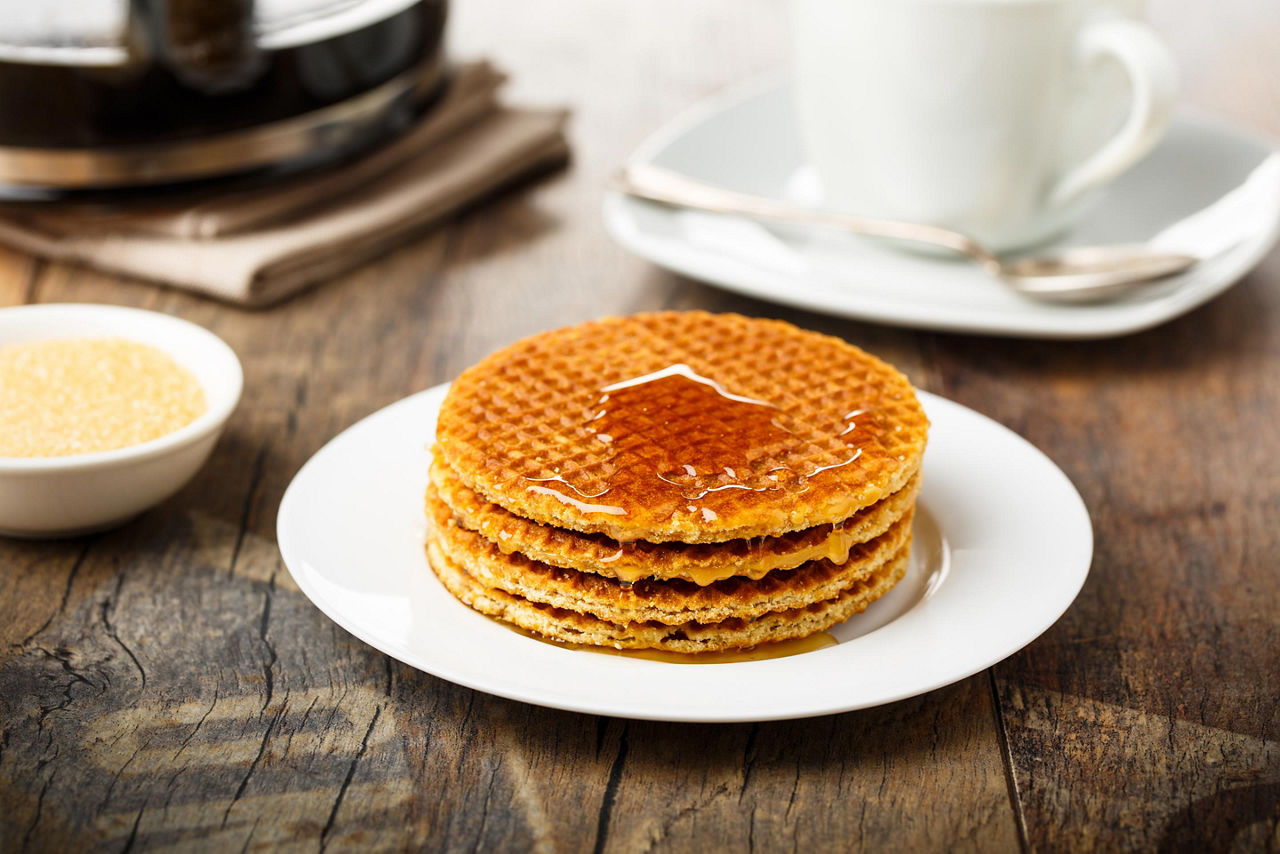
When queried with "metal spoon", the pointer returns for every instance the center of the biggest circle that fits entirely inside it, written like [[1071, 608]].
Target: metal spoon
[[1081, 274]]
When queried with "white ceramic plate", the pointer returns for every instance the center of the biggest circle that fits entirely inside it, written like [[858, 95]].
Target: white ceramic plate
[[1003, 544], [745, 140]]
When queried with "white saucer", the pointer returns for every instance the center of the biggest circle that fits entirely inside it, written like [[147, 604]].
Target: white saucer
[[1003, 544], [745, 140]]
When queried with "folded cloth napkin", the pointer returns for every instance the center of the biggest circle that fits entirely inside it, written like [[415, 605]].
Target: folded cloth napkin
[[257, 245]]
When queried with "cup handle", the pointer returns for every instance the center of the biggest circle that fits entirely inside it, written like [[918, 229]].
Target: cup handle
[[1153, 76]]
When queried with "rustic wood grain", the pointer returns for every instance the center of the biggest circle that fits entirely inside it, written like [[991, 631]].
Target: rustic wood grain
[[165, 686], [1150, 714]]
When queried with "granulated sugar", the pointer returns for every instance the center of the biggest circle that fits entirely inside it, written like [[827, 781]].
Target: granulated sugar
[[79, 396]]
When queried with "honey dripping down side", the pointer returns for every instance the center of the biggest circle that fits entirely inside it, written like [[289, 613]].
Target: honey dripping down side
[[681, 443]]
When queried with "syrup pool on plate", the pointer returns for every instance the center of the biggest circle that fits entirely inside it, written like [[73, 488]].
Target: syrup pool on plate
[[760, 652]]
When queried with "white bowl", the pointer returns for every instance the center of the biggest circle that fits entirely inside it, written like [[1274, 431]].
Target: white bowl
[[65, 496]]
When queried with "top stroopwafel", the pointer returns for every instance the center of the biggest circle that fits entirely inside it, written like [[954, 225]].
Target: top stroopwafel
[[682, 426]]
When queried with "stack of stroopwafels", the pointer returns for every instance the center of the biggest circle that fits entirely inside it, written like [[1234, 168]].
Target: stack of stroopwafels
[[680, 481]]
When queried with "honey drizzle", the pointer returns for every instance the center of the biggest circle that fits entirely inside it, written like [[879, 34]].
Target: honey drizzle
[[681, 443], [835, 548], [584, 506]]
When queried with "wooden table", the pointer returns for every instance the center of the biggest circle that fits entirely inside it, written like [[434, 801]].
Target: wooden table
[[165, 685]]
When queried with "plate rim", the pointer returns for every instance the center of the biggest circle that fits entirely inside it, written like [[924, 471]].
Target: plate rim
[[739, 277], [292, 559]]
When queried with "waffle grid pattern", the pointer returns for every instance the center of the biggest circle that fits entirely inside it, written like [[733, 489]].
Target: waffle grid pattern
[[525, 413]]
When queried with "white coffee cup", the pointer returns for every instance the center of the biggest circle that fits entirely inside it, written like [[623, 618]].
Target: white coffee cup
[[970, 113]]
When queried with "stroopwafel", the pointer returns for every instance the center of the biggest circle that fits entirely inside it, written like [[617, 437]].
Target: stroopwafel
[[577, 628], [682, 426], [679, 481], [674, 602], [701, 563]]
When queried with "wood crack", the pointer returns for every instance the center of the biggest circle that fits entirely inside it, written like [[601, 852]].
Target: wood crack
[[62, 657], [249, 837], [66, 596], [288, 745], [115, 778], [611, 793], [488, 797], [346, 782], [262, 749], [466, 717], [26, 838], [748, 760], [255, 479], [602, 729], [199, 723], [670, 822], [1006, 759], [108, 606], [338, 704], [133, 832], [267, 665], [791, 801]]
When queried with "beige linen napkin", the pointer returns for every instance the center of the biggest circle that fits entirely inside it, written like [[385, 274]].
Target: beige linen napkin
[[257, 246]]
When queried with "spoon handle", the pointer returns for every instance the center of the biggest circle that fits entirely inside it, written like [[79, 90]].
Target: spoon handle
[[656, 184]]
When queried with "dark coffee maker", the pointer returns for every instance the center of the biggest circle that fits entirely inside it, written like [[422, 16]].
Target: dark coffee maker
[[104, 94]]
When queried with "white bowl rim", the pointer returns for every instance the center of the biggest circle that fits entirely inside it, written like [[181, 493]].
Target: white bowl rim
[[209, 421]]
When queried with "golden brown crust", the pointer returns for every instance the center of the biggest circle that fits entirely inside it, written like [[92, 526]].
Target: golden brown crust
[[523, 417], [574, 627], [674, 602], [701, 563]]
